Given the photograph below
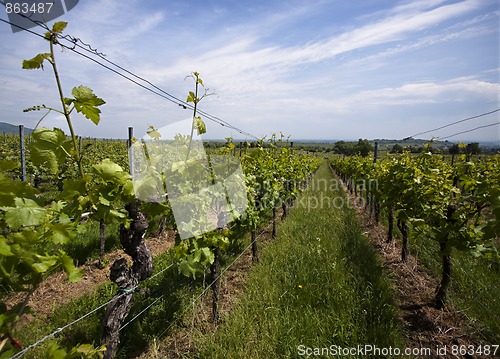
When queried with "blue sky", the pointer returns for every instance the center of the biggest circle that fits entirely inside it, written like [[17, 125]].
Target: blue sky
[[329, 69]]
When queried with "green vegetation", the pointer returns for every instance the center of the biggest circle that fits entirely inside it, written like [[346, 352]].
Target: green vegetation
[[36, 228], [449, 216], [318, 284], [474, 287], [85, 246]]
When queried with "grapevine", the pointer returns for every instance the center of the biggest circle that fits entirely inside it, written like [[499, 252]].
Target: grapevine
[[456, 206]]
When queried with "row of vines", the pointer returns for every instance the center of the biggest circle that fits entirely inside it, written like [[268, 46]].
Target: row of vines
[[95, 183]]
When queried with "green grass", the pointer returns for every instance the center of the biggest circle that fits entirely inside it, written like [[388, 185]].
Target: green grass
[[318, 284], [474, 287], [177, 292], [305, 290], [85, 247]]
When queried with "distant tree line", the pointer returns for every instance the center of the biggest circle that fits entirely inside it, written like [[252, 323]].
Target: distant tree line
[[362, 148], [472, 148]]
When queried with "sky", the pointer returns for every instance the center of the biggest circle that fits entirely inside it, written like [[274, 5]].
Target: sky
[[326, 69]]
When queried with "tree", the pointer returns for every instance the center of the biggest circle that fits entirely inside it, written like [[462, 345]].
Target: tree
[[455, 149], [397, 148], [473, 148], [363, 147]]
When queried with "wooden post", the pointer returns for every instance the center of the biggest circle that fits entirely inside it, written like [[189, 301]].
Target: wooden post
[[404, 229], [23, 155], [102, 243], [255, 254], [130, 151], [214, 275], [373, 205], [274, 222]]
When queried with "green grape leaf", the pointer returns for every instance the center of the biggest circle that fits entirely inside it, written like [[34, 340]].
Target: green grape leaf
[[75, 187], [7, 354], [49, 148], [61, 233], [44, 263], [56, 352], [25, 237], [25, 213], [4, 247], [186, 269], [87, 351], [109, 171], [6, 166], [208, 255], [117, 214], [128, 189], [36, 62], [74, 274], [200, 125], [59, 26], [191, 97], [146, 187], [86, 103], [48, 36], [104, 201], [153, 133]]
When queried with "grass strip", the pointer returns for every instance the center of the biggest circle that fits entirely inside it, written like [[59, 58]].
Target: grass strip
[[319, 284]]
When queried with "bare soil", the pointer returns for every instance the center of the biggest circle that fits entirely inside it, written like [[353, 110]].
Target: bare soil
[[182, 343], [415, 288], [56, 290]]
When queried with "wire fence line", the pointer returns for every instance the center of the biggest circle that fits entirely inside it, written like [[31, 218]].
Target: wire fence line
[[215, 280], [75, 42], [60, 329], [455, 123], [471, 130]]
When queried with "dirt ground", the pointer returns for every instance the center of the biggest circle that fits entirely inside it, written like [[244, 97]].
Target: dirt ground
[[415, 287], [424, 325], [56, 290]]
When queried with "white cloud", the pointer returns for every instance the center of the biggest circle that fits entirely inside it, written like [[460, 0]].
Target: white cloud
[[452, 91], [263, 83], [244, 56]]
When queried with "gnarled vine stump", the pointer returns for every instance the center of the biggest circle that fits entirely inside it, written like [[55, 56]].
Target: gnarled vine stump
[[127, 278]]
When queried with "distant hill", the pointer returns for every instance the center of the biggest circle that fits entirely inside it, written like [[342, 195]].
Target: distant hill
[[8, 128]]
